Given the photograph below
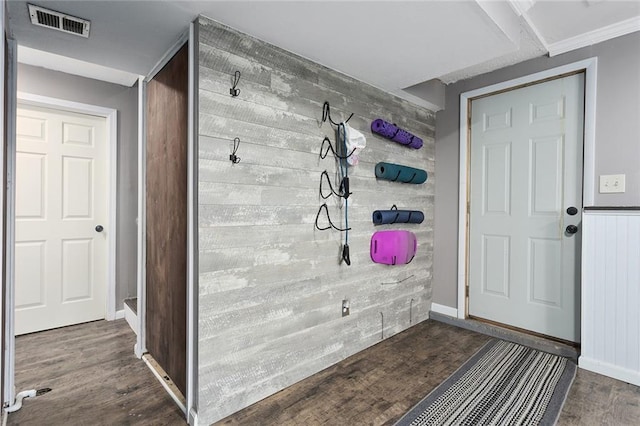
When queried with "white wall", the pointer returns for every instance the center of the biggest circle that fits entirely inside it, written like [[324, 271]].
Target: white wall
[[59, 85], [617, 148]]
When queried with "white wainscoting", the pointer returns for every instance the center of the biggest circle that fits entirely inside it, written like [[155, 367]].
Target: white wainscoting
[[611, 293]]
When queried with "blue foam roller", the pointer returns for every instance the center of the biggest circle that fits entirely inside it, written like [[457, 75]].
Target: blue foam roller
[[400, 173], [382, 217]]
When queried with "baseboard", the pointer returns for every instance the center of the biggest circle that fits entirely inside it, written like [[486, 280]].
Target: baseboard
[[444, 310], [131, 317], [120, 314], [609, 370], [166, 382]]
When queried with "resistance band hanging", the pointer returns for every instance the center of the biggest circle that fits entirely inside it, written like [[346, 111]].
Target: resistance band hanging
[[396, 134], [383, 217], [341, 155], [399, 173], [343, 189]]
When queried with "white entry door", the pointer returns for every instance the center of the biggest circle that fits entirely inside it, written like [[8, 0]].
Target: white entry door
[[526, 174], [61, 197]]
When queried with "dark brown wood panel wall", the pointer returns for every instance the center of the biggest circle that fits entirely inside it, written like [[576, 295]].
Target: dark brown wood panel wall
[[166, 233]]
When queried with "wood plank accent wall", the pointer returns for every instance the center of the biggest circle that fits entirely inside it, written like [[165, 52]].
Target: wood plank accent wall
[[270, 286], [166, 200]]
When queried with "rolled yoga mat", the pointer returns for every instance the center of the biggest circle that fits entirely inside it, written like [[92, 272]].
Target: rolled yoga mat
[[397, 172], [382, 217], [393, 247], [396, 134]]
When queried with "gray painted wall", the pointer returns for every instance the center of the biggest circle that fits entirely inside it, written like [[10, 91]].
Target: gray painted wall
[[270, 286], [59, 85], [617, 143]]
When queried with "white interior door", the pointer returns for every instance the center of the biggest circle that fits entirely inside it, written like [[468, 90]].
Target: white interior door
[[61, 197], [526, 171]]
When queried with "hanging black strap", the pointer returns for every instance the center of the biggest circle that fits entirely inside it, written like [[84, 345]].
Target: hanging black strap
[[331, 225], [410, 180], [342, 194], [394, 207], [330, 147]]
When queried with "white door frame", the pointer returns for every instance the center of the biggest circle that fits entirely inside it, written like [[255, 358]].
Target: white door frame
[[589, 66], [111, 118]]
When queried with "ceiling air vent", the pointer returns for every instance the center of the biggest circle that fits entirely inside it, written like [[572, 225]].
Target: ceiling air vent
[[59, 21]]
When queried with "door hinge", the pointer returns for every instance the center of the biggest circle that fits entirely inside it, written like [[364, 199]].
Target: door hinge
[[466, 291]]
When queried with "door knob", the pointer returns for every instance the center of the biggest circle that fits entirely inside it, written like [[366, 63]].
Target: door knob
[[572, 211], [99, 228], [571, 229]]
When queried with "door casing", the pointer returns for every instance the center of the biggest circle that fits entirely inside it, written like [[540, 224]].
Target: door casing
[[110, 116], [589, 66]]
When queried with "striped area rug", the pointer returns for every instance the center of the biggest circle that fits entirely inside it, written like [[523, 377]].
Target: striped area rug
[[502, 384]]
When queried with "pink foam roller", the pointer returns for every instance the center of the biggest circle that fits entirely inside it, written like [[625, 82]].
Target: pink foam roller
[[393, 247]]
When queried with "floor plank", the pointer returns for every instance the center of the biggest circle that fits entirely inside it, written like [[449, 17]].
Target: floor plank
[[96, 380], [378, 385], [94, 376]]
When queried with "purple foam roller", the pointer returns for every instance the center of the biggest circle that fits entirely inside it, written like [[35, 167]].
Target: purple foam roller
[[396, 134]]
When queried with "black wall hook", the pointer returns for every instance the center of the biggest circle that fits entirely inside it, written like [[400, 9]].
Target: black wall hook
[[236, 78], [233, 157]]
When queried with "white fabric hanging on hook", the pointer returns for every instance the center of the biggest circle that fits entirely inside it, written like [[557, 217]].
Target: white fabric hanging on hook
[[355, 141]]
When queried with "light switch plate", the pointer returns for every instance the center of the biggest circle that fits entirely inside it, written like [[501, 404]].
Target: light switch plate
[[611, 184]]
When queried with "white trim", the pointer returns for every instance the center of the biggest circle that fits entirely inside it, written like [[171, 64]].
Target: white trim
[[193, 418], [596, 36], [184, 37], [462, 208], [612, 212], [444, 310], [164, 384], [111, 117], [590, 66], [52, 61], [9, 329], [131, 317], [2, 191], [120, 314], [141, 343], [610, 370], [192, 226]]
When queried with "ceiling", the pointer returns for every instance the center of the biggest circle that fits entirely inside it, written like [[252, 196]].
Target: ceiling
[[393, 45]]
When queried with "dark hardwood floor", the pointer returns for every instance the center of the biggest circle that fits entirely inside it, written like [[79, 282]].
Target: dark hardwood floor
[[96, 380], [378, 385], [94, 376]]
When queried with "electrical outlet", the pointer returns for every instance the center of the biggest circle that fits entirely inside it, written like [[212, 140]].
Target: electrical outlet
[[611, 184], [345, 307]]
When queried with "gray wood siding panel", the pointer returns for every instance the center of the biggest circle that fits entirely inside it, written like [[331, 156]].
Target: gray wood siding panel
[[270, 285]]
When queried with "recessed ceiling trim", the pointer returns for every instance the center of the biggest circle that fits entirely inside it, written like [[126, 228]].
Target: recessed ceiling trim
[[59, 21], [51, 61], [596, 36]]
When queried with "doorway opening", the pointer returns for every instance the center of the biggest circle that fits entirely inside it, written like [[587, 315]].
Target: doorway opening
[[485, 262], [61, 214]]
